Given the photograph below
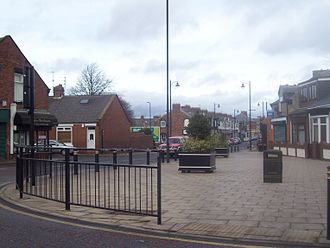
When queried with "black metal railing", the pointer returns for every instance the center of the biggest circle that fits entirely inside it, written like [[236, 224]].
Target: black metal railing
[[113, 186]]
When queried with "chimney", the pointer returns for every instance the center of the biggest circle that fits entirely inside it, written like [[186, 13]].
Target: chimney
[[58, 91], [176, 107]]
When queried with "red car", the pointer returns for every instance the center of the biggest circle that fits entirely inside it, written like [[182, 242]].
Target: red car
[[175, 143]]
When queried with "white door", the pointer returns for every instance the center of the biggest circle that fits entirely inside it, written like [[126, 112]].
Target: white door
[[91, 138]]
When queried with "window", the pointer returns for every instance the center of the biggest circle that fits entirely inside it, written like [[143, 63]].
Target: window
[[313, 91], [319, 131], [280, 132], [298, 134], [18, 89], [64, 134], [162, 123]]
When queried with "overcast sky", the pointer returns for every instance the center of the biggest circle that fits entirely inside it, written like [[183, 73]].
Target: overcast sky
[[215, 45]]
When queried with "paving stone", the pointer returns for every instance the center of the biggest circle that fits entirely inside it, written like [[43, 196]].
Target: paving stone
[[293, 235], [231, 202], [267, 232]]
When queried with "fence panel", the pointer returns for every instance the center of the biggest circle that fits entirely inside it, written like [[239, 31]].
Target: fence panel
[[118, 187]]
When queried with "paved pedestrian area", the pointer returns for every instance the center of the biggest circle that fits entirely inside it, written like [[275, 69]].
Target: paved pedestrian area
[[232, 202]]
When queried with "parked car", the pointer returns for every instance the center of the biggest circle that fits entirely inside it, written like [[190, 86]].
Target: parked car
[[175, 144], [234, 141], [58, 147]]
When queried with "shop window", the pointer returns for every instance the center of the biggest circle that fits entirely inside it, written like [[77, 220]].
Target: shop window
[[298, 134], [320, 129], [280, 133]]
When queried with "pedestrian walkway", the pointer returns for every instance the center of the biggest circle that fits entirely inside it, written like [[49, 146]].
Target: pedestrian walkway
[[232, 202]]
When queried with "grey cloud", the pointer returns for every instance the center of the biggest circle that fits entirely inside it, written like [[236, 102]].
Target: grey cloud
[[157, 66], [135, 20], [64, 65], [312, 34]]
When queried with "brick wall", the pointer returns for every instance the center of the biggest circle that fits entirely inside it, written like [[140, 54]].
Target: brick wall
[[115, 126], [178, 118], [10, 58]]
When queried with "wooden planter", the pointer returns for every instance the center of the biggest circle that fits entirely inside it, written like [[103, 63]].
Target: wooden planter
[[196, 162], [222, 151]]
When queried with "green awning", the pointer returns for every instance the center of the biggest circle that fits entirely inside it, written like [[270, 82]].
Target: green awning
[[4, 115]]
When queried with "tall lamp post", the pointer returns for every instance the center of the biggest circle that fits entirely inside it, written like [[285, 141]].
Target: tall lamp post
[[149, 115], [176, 85], [167, 85], [214, 122], [243, 86]]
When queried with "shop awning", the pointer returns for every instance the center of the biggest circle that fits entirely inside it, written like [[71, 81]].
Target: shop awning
[[41, 119]]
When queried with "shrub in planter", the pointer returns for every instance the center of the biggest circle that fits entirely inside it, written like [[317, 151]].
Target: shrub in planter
[[199, 148]]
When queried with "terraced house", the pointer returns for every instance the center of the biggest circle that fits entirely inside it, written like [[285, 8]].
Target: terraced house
[[301, 123], [20, 86]]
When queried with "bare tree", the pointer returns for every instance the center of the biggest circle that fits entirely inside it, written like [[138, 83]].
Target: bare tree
[[127, 108], [92, 81]]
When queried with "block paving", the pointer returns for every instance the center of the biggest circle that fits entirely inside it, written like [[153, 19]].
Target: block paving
[[232, 202]]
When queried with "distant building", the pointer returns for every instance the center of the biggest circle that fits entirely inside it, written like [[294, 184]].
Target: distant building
[[89, 121]]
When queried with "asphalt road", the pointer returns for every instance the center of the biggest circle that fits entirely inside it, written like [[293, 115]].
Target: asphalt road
[[21, 229]]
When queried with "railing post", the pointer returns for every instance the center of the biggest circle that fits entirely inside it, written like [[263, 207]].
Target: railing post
[[130, 156], [328, 206], [20, 172], [17, 167], [176, 155], [75, 159], [114, 159], [97, 160], [33, 168], [148, 157], [67, 180], [159, 191]]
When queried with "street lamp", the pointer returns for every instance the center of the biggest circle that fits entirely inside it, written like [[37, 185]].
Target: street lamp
[[214, 122], [235, 110], [243, 86], [176, 85], [149, 115], [167, 84]]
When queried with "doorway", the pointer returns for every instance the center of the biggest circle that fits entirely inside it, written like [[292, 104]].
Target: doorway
[[91, 137]]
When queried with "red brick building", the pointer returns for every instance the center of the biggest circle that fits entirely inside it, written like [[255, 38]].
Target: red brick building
[[16, 77], [179, 118], [89, 121]]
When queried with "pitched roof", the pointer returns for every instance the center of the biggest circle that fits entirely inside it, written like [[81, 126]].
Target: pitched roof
[[79, 109]]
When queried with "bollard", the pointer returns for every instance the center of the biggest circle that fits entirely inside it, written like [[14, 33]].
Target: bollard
[[148, 157], [176, 155], [97, 160], [75, 166], [163, 156], [231, 149], [114, 159], [238, 148], [328, 207]]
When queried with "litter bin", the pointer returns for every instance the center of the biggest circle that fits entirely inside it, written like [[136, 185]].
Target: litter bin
[[273, 166]]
